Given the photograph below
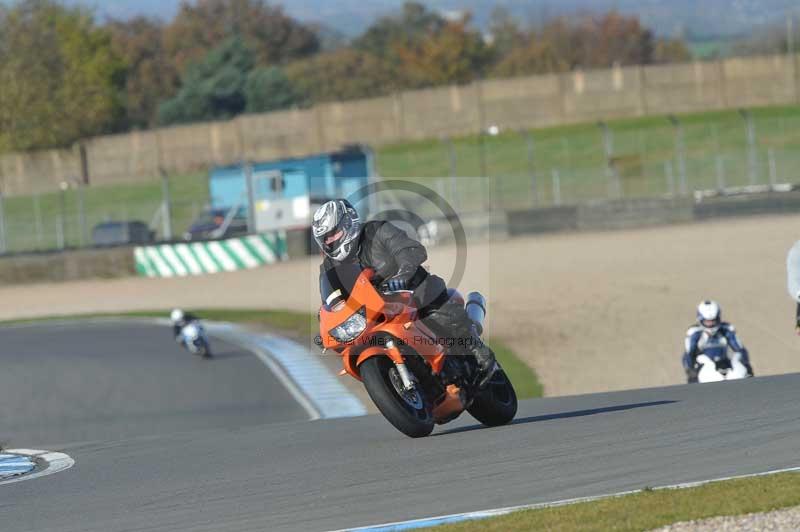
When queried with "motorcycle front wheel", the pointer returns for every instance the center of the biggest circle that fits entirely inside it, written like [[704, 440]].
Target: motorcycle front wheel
[[202, 349], [406, 410]]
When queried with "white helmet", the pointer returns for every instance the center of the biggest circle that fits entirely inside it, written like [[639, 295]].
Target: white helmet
[[709, 316], [176, 315], [336, 229]]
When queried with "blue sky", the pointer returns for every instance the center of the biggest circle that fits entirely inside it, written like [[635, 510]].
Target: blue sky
[[129, 8], [352, 16], [348, 15]]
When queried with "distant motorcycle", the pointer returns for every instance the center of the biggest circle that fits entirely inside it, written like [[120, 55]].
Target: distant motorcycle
[[716, 368], [193, 337]]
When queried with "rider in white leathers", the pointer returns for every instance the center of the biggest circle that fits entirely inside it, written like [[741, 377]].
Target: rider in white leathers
[[793, 280], [713, 337]]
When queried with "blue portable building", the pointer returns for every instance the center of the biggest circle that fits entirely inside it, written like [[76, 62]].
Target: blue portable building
[[282, 192]]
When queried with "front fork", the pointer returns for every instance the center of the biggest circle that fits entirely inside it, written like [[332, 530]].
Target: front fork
[[409, 381]]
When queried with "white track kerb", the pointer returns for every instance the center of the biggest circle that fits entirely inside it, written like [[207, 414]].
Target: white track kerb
[[311, 384], [46, 463], [497, 512], [307, 379]]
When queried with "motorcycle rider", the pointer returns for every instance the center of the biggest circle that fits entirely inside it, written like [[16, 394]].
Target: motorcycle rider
[[709, 334], [793, 281], [397, 260], [180, 319]]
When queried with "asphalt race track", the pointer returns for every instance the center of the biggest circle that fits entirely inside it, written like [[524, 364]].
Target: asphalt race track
[[275, 474], [86, 381]]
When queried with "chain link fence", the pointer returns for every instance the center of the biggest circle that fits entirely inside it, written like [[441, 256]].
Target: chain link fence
[[66, 218]]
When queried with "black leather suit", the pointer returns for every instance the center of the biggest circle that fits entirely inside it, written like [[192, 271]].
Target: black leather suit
[[389, 250]]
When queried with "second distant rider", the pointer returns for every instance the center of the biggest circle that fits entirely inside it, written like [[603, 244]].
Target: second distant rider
[[180, 319], [713, 337]]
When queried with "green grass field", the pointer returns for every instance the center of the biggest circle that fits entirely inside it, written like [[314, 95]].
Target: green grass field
[[303, 326], [521, 166], [651, 508]]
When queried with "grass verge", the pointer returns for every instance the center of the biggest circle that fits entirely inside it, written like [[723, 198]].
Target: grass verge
[[651, 508], [303, 326], [524, 379]]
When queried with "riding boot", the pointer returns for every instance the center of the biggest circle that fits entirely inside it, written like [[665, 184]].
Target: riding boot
[[482, 353]]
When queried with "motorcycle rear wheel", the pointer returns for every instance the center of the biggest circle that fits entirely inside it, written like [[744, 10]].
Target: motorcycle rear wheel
[[410, 415], [496, 404]]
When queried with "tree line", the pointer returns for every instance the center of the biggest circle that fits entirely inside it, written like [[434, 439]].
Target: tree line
[[65, 75]]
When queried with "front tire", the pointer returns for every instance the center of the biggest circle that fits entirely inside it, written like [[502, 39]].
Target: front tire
[[496, 404], [199, 347], [205, 350], [410, 415]]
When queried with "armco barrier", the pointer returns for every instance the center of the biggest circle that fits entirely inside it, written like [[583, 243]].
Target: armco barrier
[[748, 205], [200, 258], [631, 213], [547, 220]]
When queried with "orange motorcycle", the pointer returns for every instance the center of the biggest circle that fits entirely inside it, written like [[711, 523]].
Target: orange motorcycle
[[414, 378]]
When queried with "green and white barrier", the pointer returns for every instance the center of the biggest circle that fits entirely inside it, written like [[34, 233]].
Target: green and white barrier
[[200, 258]]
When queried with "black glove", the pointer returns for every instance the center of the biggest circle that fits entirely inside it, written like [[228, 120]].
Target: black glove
[[398, 281]]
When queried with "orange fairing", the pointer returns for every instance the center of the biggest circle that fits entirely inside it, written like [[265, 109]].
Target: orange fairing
[[394, 319], [364, 295], [450, 406]]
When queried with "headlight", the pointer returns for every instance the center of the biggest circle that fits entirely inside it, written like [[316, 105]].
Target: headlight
[[351, 328]]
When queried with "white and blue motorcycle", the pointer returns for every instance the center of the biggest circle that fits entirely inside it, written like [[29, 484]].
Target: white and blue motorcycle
[[716, 367], [193, 337]]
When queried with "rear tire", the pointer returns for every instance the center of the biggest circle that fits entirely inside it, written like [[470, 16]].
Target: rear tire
[[497, 403], [412, 421]]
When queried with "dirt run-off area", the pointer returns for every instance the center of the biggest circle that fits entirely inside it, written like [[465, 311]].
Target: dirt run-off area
[[589, 311]]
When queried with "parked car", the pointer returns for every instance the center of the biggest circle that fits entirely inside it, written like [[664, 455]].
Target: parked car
[[218, 223], [121, 233]]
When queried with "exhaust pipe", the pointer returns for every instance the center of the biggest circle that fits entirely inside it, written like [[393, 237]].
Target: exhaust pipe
[[476, 310]]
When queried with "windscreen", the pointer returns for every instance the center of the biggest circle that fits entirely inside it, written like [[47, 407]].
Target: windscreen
[[337, 283]]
